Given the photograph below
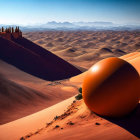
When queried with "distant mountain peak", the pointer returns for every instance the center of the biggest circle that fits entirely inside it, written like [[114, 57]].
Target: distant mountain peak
[[95, 25]]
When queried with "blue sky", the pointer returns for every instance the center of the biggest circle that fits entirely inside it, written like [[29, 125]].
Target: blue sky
[[27, 12]]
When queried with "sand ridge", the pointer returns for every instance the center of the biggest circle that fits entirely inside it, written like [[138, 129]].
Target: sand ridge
[[33, 59], [29, 93], [75, 122]]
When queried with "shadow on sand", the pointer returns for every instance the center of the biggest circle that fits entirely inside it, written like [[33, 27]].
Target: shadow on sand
[[131, 122], [35, 60]]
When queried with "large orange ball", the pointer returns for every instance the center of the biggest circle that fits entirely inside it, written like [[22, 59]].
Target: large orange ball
[[111, 87]]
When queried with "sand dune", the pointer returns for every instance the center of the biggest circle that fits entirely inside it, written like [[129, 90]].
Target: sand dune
[[77, 122], [31, 93], [22, 94], [23, 126], [14, 98], [35, 60], [132, 58], [73, 122], [88, 47]]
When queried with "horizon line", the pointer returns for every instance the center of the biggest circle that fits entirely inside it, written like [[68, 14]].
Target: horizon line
[[35, 24]]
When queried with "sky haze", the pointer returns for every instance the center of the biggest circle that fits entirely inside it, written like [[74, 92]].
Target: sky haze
[[27, 12]]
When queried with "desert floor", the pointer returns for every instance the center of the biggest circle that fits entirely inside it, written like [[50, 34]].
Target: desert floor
[[49, 110], [84, 48]]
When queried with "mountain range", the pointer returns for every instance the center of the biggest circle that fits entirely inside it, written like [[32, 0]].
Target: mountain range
[[98, 25]]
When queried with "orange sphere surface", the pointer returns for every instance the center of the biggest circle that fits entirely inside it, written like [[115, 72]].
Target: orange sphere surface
[[111, 87]]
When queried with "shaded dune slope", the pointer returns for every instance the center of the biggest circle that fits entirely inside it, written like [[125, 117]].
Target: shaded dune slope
[[15, 97], [35, 60], [22, 94]]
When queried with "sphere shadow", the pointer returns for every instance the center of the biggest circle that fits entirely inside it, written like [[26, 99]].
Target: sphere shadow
[[130, 122]]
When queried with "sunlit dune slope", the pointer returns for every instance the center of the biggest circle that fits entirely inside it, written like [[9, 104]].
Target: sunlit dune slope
[[22, 126], [132, 58], [77, 122]]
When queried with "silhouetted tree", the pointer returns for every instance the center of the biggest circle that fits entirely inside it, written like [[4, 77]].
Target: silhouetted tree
[[15, 29], [18, 28], [9, 29], [12, 30], [6, 30], [2, 29]]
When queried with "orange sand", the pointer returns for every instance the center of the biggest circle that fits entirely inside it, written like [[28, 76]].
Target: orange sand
[[84, 128]]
